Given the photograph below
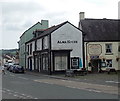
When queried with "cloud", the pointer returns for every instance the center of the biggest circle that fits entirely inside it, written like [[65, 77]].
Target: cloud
[[19, 15]]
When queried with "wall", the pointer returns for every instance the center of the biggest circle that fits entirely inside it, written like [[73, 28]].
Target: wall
[[30, 55], [39, 44], [112, 56], [67, 37], [26, 36]]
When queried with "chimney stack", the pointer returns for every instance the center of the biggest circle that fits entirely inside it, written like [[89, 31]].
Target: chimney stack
[[82, 15]]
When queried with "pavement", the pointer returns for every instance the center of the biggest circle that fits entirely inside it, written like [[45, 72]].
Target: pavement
[[98, 78], [93, 82]]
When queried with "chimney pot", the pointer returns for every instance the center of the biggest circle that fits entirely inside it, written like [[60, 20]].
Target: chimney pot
[[82, 15]]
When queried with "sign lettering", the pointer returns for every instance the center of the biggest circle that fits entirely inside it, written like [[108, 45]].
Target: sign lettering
[[68, 41]]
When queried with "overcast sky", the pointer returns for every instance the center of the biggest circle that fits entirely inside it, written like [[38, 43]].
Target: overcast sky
[[18, 15]]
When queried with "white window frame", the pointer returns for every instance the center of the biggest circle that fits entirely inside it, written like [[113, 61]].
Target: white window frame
[[108, 48], [108, 63]]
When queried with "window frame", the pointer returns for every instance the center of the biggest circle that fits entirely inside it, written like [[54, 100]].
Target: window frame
[[108, 50], [109, 63], [30, 48]]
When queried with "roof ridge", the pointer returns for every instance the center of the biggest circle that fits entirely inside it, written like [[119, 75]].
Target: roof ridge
[[30, 28], [101, 19]]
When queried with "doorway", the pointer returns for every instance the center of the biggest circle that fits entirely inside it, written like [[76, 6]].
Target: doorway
[[95, 65], [30, 64]]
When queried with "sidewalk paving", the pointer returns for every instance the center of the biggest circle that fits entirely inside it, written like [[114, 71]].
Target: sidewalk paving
[[99, 78], [78, 82]]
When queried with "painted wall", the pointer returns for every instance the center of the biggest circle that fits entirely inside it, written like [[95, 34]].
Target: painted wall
[[67, 37], [103, 54], [30, 55], [26, 36], [39, 44], [119, 56]]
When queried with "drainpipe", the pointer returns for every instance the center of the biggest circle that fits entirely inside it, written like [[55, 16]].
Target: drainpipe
[[83, 50], [50, 72], [87, 55]]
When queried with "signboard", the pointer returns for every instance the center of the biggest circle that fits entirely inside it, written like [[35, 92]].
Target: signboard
[[66, 41], [94, 57], [94, 49]]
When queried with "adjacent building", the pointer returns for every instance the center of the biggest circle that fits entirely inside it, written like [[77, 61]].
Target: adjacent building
[[55, 49], [26, 36], [101, 43]]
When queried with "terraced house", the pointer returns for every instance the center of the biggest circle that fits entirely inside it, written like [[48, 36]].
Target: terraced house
[[55, 49], [26, 36], [101, 43]]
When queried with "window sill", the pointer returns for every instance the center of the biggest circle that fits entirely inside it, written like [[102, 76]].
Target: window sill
[[108, 53]]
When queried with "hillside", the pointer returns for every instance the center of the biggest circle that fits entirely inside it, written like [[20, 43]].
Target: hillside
[[10, 52]]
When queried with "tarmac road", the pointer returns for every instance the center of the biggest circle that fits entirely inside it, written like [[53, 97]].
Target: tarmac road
[[26, 86]]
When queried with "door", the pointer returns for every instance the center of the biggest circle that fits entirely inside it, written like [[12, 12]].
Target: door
[[61, 62], [96, 65], [30, 63]]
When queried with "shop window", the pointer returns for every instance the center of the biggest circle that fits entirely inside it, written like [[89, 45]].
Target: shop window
[[109, 63], [103, 64], [108, 48], [60, 62], [45, 62]]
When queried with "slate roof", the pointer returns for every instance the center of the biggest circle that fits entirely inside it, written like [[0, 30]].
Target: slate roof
[[100, 29], [30, 28], [49, 30]]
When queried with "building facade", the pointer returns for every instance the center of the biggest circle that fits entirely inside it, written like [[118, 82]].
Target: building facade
[[26, 36], [102, 55], [55, 49], [101, 43]]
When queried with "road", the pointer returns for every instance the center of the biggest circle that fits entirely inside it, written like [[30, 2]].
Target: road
[[26, 86]]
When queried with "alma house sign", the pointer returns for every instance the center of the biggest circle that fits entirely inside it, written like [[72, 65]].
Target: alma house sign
[[66, 41]]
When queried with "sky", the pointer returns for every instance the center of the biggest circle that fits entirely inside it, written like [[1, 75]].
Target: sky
[[18, 15]]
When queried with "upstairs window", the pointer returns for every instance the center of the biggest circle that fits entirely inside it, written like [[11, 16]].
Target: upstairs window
[[30, 48], [45, 42], [108, 48]]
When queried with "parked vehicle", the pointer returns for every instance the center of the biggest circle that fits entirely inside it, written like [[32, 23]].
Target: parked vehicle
[[9, 65], [17, 69], [11, 68], [6, 64]]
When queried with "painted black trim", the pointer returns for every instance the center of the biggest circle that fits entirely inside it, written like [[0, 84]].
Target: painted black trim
[[77, 67], [45, 50], [50, 54], [61, 52], [25, 57], [55, 28], [69, 60], [83, 51]]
